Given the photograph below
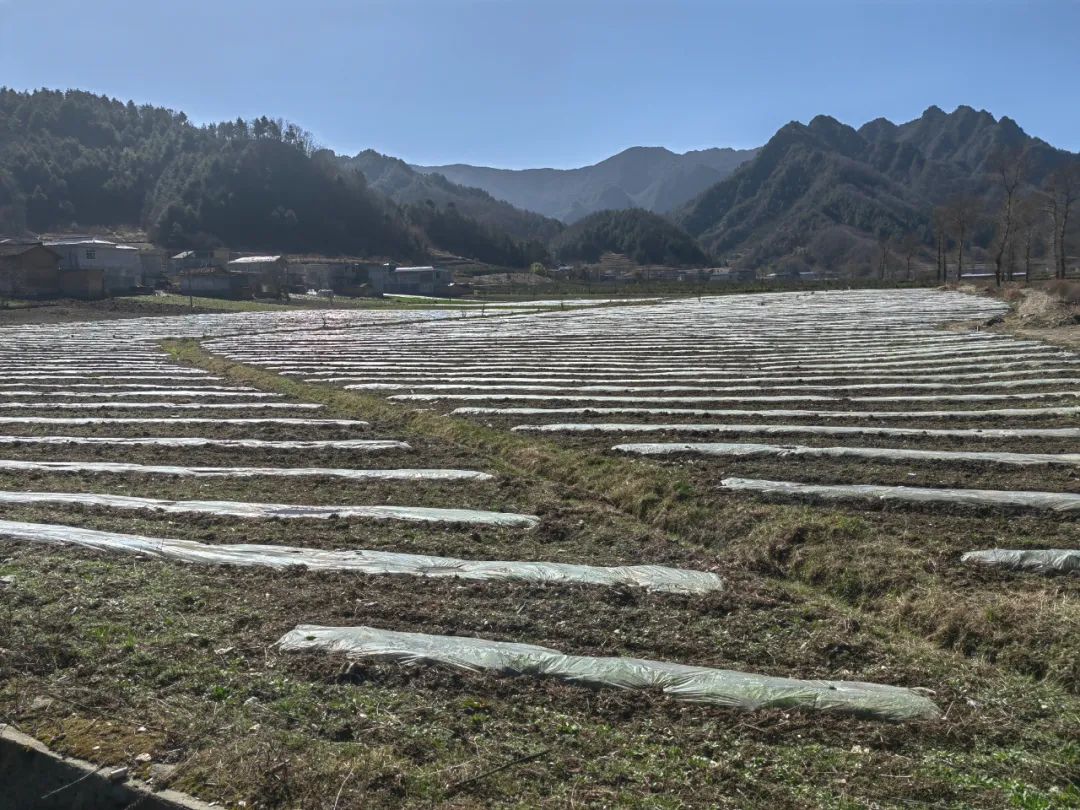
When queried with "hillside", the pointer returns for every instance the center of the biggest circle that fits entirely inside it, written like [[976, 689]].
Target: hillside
[[652, 178], [645, 237], [72, 160], [821, 195], [828, 192], [406, 186]]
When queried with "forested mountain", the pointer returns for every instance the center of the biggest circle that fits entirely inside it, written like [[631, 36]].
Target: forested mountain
[[451, 230], [645, 237], [652, 178], [72, 160], [821, 195], [829, 194], [403, 184]]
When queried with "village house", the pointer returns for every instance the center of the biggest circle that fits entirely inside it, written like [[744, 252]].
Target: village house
[[732, 275], [214, 282], [155, 265], [121, 264], [343, 277], [188, 259], [28, 270], [267, 276], [423, 280], [32, 270]]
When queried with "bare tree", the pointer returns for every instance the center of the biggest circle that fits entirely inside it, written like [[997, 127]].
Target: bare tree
[[1029, 219], [1062, 189], [940, 223], [909, 246], [1010, 166], [962, 213], [883, 256]]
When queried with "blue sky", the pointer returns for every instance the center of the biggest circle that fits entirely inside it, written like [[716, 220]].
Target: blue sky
[[521, 83]]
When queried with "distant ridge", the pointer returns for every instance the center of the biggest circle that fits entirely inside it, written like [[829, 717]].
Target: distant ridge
[[404, 185], [824, 194], [648, 177]]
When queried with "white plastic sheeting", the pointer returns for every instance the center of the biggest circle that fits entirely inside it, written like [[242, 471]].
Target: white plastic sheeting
[[651, 577], [859, 367], [176, 406], [779, 413], [365, 445], [242, 472], [690, 364], [67, 377], [128, 387], [717, 687], [873, 453], [666, 377], [494, 397], [448, 389], [244, 509], [818, 430], [1053, 501], [1040, 561], [184, 420], [138, 331], [171, 392]]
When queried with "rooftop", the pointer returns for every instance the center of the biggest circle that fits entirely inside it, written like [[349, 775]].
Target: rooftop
[[88, 241], [255, 259]]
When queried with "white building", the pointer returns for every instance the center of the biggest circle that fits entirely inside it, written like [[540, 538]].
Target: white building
[[122, 264]]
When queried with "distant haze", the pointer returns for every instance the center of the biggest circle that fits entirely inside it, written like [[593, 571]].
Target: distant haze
[[653, 178]]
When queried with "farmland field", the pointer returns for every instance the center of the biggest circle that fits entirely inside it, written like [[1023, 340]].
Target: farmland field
[[777, 490]]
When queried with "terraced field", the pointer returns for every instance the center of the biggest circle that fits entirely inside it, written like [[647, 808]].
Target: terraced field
[[295, 562]]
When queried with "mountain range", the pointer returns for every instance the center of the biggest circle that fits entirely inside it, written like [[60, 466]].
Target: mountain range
[[648, 177], [823, 194], [406, 186], [827, 192]]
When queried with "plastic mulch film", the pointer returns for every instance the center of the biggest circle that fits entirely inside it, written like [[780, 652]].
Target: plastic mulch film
[[631, 400], [882, 453], [365, 445], [1054, 501], [778, 413], [49, 389], [244, 472], [407, 378], [816, 430], [718, 687], [627, 388], [651, 577], [169, 392], [181, 406], [245, 509], [1044, 561], [194, 420]]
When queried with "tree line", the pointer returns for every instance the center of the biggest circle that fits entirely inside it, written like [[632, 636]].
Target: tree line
[[73, 160], [1020, 221], [645, 237]]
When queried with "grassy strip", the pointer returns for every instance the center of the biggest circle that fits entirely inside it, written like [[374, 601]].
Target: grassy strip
[[170, 302], [900, 568], [661, 498]]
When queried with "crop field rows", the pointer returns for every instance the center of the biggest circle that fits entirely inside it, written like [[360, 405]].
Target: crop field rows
[[163, 526], [752, 381]]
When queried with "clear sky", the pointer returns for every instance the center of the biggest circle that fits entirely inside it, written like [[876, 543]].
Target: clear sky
[[521, 83]]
